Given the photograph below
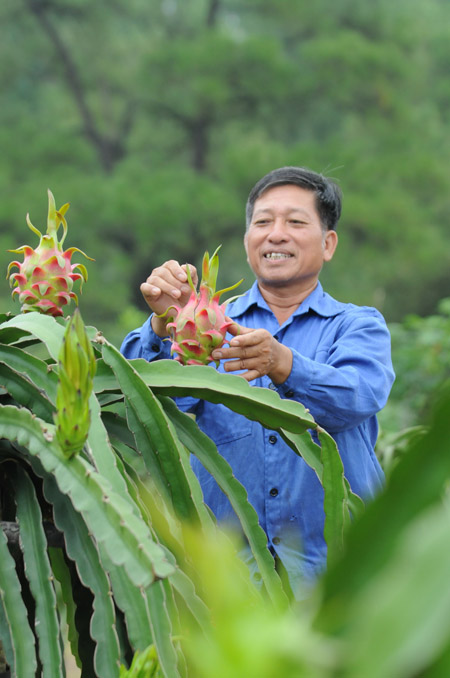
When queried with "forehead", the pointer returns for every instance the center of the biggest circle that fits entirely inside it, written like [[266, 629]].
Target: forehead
[[287, 197]]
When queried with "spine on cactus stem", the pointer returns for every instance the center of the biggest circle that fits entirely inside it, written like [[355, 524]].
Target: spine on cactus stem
[[44, 281], [200, 326], [76, 371]]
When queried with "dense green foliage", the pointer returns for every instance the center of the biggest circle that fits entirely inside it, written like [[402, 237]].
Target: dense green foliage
[[155, 119], [420, 351]]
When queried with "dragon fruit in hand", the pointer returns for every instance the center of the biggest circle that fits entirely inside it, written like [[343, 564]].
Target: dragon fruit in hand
[[45, 278], [200, 326]]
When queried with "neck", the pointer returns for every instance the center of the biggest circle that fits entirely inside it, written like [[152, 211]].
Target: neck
[[283, 301]]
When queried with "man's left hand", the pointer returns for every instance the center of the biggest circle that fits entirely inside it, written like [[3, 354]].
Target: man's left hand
[[257, 352]]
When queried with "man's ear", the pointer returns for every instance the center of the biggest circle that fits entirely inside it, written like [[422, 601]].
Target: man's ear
[[330, 242], [246, 243]]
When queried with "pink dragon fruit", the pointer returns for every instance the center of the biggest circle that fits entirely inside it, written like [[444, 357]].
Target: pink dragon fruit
[[200, 326], [45, 278]]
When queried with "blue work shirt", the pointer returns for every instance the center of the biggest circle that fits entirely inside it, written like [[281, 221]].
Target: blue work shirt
[[342, 372]]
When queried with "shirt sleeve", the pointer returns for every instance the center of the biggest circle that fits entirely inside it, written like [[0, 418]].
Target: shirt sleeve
[[144, 343], [350, 380]]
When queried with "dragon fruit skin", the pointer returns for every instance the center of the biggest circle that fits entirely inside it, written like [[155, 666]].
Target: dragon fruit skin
[[201, 325], [46, 276]]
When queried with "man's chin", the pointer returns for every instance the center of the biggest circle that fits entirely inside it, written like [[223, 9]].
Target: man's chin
[[274, 282], [293, 282], [277, 282]]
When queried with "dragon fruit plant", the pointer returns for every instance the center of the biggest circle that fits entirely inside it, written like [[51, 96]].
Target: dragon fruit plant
[[200, 326], [46, 276]]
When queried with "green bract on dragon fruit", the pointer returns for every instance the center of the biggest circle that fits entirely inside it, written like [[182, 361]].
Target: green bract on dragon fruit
[[200, 326], [46, 276]]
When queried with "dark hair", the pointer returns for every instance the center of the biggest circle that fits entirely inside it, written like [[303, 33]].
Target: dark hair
[[327, 192]]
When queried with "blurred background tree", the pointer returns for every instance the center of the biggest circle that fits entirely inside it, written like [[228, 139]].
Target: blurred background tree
[[155, 119]]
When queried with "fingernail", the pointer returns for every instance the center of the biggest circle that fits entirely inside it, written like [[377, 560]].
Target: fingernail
[[217, 355], [176, 293]]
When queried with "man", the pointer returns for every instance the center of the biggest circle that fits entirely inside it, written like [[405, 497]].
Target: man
[[290, 336]]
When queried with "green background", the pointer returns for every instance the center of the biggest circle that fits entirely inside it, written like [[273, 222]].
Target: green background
[[155, 119]]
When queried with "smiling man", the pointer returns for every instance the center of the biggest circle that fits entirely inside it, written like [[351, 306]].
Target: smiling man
[[292, 337]]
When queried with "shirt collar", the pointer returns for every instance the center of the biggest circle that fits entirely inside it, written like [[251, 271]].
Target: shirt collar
[[318, 301]]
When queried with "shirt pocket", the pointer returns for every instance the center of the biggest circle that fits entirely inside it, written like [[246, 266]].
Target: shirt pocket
[[222, 424]]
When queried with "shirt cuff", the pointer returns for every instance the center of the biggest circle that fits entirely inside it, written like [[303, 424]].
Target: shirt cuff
[[153, 347], [299, 380]]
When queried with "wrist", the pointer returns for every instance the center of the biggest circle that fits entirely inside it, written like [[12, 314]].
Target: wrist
[[283, 365], [159, 326]]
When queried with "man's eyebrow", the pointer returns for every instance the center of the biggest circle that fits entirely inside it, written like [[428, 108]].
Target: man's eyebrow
[[288, 210]]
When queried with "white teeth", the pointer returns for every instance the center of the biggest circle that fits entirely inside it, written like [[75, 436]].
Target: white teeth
[[276, 255]]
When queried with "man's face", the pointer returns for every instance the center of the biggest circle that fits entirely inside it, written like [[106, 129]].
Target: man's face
[[285, 243]]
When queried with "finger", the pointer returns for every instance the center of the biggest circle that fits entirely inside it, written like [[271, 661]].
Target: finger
[[248, 374], [249, 338], [177, 279], [176, 270], [168, 277], [150, 291], [236, 329], [243, 364], [167, 284], [233, 366], [252, 344], [239, 352]]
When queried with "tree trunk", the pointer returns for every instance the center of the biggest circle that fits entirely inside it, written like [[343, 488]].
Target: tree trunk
[[109, 150]]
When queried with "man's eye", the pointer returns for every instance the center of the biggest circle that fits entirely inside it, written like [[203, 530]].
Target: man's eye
[[261, 222]]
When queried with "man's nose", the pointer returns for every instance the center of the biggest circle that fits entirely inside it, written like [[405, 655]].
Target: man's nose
[[278, 231]]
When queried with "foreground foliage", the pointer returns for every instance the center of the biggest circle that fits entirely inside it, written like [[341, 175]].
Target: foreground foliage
[[117, 541], [118, 506]]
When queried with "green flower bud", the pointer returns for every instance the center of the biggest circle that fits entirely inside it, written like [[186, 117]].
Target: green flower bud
[[77, 368]]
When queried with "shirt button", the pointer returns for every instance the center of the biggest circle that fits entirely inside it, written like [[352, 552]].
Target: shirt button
[[272, 440], [272, 386], [273, 492], [155, 347], [276, 540], [289, 393]]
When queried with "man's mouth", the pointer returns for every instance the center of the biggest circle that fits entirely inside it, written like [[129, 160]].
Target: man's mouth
[[274, 256]]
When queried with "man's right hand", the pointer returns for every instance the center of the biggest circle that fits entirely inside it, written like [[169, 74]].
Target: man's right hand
[[167, 286]]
